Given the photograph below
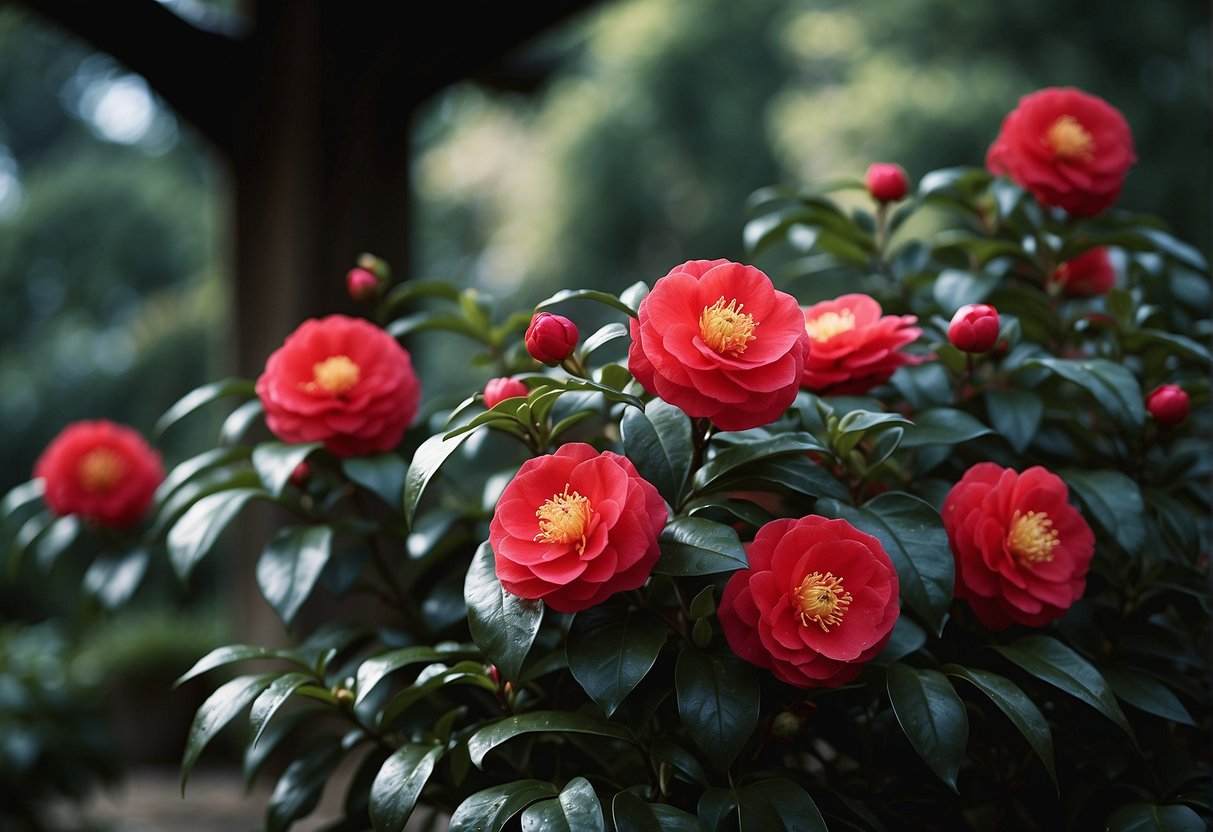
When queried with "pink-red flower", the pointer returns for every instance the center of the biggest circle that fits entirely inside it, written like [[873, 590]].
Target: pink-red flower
[[1022, 551], [497, 390], [855, 347], [362, 284], [341, 381], [717, 340], [818, 601], [886, 182], [974, 327], [1069, 148], [550, 338], [101, 471], [1088, 275], [575, 527], [1168, 404]]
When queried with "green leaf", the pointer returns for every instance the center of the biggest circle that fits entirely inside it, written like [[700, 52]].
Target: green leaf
[[1144, 817], [372, 671], [381, 474], [778, 804], [631, 814], [610, 649], [1115, 502], [561, 722], [586, 294], [195, 465], [605, 335], [491, 809], [1015, 415], [667, 751], [21, 496], [954, 288], [56, 539], [193, 536], [425, 321], [228, 654], [912, 534], [906, 638], [853, 427], [112, 580], [399, 783], [1147, 693], [502, 624], [276, 461], [658, 442], [297, 791], [574, 810], [290, 565], [200, 397], [786, 444], [218, 710], [715, 805], [943, 426], [426, 461], [932, 716], [1112, 385], [718, 701], [1021, 710], [1051, 661], [239, 421], [695, 546], [271, 699]]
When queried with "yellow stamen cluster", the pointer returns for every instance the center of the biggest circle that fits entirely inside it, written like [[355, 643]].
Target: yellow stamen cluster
[[564, 518], [727, 329], [100, 470], [335, 375], [1032, 537], [1070, 140], [822, 600], [828, 324]]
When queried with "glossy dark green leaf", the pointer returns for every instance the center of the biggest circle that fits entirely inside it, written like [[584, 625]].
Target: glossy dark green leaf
[[906, 638], [374, 669], [665, 750], [605, 335], [943, 426], [381, 474], [502, 624], [113, 579], [912, 534], [560, 722], [857, 424], [1147, 694], [276, 461], [575, 809], [715, 806], [954, 288], [218, 710], [56, 539], [428, 321], [718, 701], [631, 814], [491, 809], [695, 546], [795, 473], [610, 649], [22, 495], [1145, 817], [658, 442], [187, 470], [1114, 502], [410, 290], [200, 397], [586, 294], [272, 698], [726, 462], [399, 783], [932, 716], [426, 461], [298, 790], [776, 804], [290, 565], [1021, 710], [238, 422], [1051, 661], [1112, 385], [228, 654], [195, 534], [1015, 415]]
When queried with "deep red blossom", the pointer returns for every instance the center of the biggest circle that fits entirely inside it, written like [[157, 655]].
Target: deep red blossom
[[575, 527], [1090, 274], [1069, 148], [497, 390], [974, 327], [1168, 404], [101, 471], [341, 381], [886, 182], [1022, 551], [855, 347], [818, 601], [717, 340]]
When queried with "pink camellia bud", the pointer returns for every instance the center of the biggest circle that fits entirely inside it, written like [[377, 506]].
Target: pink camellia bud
[[1168, 404], [498, 390], [300, 476], [550, 338], [362, 285], [887, 182], [974, 327]]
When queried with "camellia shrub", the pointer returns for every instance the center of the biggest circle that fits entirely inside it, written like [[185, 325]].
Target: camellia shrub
[[925, 552]]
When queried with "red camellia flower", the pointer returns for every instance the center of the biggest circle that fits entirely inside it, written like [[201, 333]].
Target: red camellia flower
[[1022, 551], [717, 340], [341, 381], [1069, 148], [498, 390], [575, 527], [886, 182], [1088, 275], [818, 601], [1168, 404], [974, 327], [855, 347], [550, 338], [101, 471]]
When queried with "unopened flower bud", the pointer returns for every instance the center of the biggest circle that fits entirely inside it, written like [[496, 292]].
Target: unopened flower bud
[[974, 327], [301, 474], [786, 726], [344, 696], [1168, 404], [498, 390], [887, 182], [376, 266], [362, 285], [550, 338]]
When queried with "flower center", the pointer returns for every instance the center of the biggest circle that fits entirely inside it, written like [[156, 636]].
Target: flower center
[[828, 324], [1032, 538], [564, 519], [100, 470], [727, 329], [1070, 140], [334, 375], [822, 599]]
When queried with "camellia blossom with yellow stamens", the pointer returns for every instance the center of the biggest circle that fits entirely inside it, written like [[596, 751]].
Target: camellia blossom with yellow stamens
[[1069, 148], [855, 346], [818, 601], [717, 340], [575, 527], [342, 381], [100, 470], [1022, 551]]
